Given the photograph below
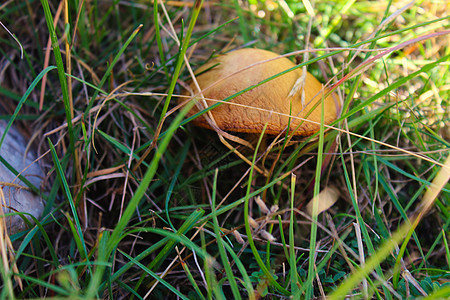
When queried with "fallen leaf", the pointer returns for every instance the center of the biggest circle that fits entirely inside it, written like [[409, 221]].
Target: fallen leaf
[[326, 198]]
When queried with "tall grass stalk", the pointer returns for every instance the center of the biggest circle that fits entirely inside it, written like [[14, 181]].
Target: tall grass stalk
[[156, 207]]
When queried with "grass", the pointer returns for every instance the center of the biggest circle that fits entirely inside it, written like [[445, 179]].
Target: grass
[[140, 204]]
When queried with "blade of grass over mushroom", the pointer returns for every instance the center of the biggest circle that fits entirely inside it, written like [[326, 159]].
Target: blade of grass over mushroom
[[372, 99], [313, 235], [248, 229], [223, 255], [227, 99], [362, 66], [180, 60]]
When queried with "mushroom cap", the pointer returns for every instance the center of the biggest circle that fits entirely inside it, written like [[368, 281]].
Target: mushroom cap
[[268, 103]]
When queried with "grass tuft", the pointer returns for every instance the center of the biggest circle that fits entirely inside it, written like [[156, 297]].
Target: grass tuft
[[140, 204]]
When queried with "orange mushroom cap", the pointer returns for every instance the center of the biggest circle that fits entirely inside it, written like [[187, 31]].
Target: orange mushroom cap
[[268, 103]]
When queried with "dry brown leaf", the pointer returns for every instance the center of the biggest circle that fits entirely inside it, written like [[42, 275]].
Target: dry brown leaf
[[326, 198]]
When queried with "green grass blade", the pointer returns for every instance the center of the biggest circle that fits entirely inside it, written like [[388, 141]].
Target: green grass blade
[[45, 284], [174, 181], [313, 236], [248, 230], [292, 259], [442, 293], [184, 46], [158, 278], [246, 279], [447, 250], [31, 234], [393, 86], [6, 164], [389, 245], [65, 185], [23, 99], [151, 171], [186, 226], [111, 66], [222, 252], [158, 39], [192, 280], [61, 72]]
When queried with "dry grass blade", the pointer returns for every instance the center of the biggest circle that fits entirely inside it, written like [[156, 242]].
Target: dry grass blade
[[47, 56], [154, 218], [7, 251], [438, 183], [330, 127]]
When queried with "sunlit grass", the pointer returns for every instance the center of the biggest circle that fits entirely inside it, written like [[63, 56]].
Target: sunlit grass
[[141, 204]]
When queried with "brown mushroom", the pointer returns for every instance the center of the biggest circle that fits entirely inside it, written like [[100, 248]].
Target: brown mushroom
[[269, 103]]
